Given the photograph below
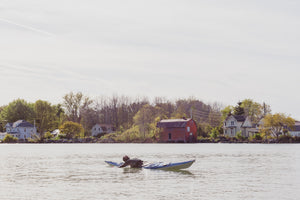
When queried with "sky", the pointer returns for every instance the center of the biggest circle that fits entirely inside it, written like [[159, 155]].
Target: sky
[[215, 51]]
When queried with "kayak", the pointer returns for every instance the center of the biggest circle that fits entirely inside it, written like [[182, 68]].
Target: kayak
[[160, 165]]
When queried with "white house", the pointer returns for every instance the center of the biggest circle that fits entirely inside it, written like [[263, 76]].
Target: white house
[[101, 129], [21, 129], [238, 123], [296, 130]]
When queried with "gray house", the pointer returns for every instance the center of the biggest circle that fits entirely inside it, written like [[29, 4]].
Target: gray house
[[239, 123], [21, 129], [296, 130]]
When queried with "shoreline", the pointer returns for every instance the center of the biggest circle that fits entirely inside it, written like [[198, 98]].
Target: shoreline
[[99, 141]]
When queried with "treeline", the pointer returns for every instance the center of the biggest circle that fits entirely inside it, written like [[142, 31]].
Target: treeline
[[128, 115], [135, 119]]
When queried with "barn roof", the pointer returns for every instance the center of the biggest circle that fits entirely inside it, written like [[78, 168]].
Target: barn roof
[[173, 123]]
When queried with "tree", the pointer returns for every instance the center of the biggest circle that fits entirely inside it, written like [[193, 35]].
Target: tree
[[16, 110], [146, 117], [239, 110], [59, 115], [46, 116], [277, 123], [89, 117], [75, 104], [254, 110], [71, 129], [2, 123], [249, 108], [226, 111], [214, 133]]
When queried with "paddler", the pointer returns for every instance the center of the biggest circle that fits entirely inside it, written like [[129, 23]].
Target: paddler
[[133, 163]]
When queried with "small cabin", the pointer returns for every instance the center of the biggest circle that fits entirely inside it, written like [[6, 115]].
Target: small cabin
[[178, 130]]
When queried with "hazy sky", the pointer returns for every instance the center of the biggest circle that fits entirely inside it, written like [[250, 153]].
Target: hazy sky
[[214, 50]]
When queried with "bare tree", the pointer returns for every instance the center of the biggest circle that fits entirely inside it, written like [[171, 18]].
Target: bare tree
[[75, 104]]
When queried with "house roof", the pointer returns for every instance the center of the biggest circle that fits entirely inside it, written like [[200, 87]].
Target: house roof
[[173, 123], [20, 123], [239, 118], [105, 125]]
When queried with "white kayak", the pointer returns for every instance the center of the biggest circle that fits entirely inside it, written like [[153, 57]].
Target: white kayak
[[160, 165]]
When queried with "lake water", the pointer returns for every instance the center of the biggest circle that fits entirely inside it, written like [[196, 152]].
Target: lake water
[[221, 171]]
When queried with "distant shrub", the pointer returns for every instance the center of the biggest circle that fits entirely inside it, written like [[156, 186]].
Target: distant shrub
[[214, 133], [257, 136], [30, 140], [239, 136], [48, 135], [285, 139], [61, 136], [9, 139], [72, 130], [200, 138], [297, 139]]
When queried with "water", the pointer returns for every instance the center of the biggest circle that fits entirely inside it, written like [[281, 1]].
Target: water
[[221, 171]]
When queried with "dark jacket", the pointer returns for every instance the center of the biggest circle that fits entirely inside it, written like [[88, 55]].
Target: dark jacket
[[133, 163]]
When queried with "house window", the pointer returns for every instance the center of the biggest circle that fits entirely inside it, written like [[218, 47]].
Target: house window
[[188, 129], [232, 123], [24, 129], [224, 123], [170, 136]]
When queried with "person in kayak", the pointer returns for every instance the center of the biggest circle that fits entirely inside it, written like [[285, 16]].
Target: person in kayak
[[133, 163]]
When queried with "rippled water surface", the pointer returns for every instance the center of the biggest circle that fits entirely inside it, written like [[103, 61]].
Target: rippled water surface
[[221, 171]]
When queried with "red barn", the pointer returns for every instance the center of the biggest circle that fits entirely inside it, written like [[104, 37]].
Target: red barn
[[178, 130]]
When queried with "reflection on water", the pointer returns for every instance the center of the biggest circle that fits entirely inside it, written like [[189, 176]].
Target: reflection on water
[[138, 170], [78, 171]]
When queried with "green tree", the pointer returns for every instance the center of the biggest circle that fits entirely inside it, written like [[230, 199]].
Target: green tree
[[228, 110], [277, 123], [16, 110], [71, 129], [46, 116], [239, 110], [59, 115], [145, 118], [2, 123], [204, 129], [48, 135], [254, 110], [214, 133]]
